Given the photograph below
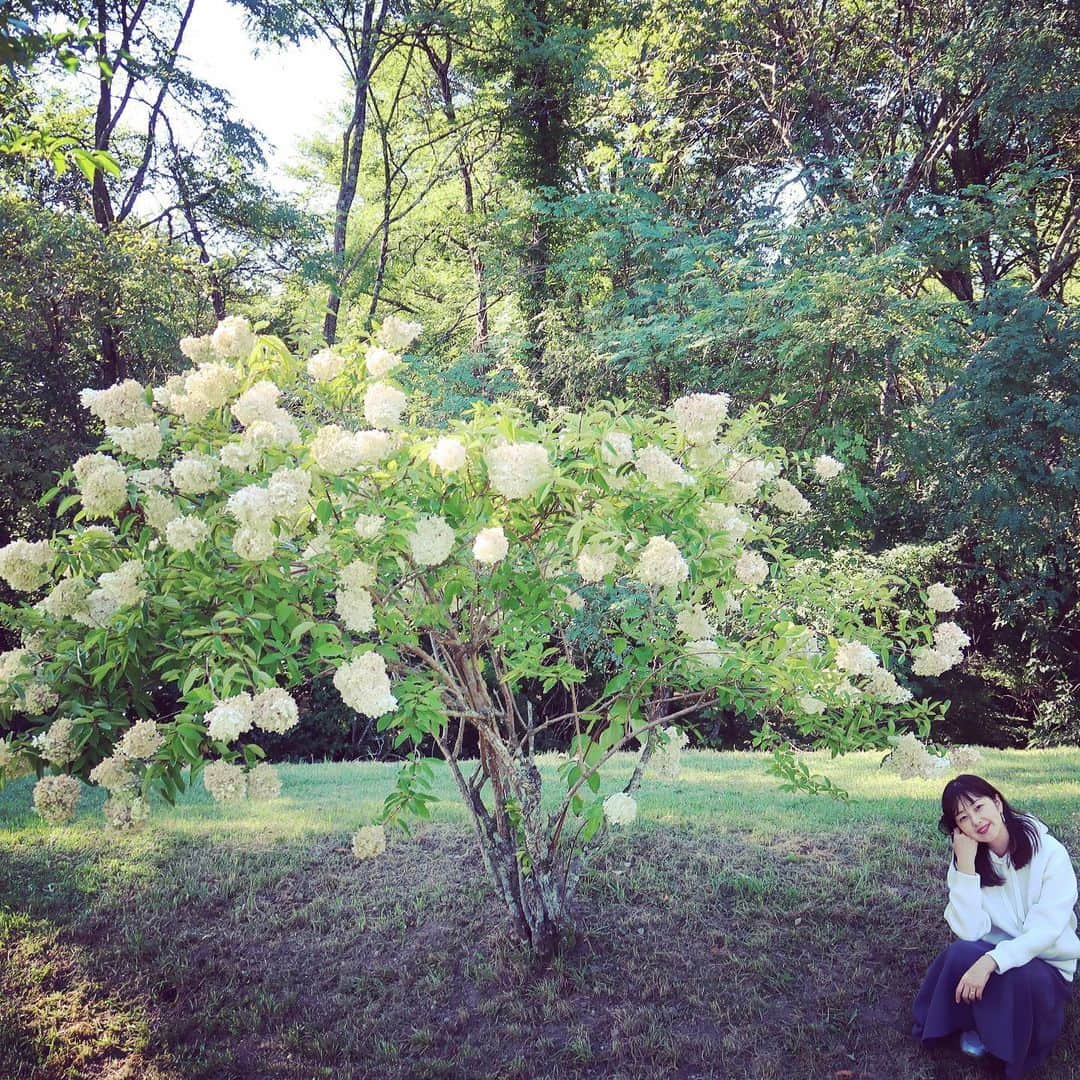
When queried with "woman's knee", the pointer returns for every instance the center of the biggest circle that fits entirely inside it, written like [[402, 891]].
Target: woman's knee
[[967, 952]]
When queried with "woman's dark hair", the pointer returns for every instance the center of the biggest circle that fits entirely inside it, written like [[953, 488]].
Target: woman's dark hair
[[1023, 831]]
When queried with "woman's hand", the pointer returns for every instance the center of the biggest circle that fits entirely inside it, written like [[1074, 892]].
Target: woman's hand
[[973, 981], [964, 849]]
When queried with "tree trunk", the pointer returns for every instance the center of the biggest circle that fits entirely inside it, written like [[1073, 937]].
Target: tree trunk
[[351, 146]]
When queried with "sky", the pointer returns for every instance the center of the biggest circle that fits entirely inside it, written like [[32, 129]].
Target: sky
[[287, 94]]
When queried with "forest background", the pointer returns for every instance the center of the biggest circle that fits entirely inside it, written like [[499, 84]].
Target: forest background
[[864, 215]]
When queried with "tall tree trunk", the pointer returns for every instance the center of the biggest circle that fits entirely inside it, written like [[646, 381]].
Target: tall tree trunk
[[441, 67], [351, 146]]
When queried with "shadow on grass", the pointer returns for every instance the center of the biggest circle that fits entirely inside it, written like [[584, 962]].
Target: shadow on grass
[[695, 955]]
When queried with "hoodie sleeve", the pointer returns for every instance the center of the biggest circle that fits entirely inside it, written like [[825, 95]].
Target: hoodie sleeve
[[1048, 918], [964, 912]]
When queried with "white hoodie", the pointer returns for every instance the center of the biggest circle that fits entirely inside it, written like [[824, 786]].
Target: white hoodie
[[1031, 915]]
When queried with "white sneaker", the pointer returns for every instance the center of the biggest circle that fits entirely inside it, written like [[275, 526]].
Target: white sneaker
[[972, 1045]]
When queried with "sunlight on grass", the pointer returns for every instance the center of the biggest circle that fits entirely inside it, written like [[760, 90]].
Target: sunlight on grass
[[716, 791]]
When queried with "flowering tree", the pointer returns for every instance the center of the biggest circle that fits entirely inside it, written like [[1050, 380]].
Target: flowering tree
[[261, 534]]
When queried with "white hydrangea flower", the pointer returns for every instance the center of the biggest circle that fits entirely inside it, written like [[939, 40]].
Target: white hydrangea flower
[[325, 366], [724, 517], [25, 565], [159, 510], [102, 484], [141, 741], [708, 457], [856, 658], [39, 698], [383, 405], [122, 405], [212, 384], [289, 491], [258, 402], [230, 719], [788, 498], [118, 589], [517, 470], [397, 335], [365, 686], [334, 450], [706, 652], [115, 774], [595, 565], [198, 350], [963, 757], [240, 455], [694, 623], [143, 442], [490, 546], [358, 575], [186, 533], [911, 759], [233, 338], [940, 597], [373, 446], [933, 662], [369, 526], [56, 798], [659, 468], [811, 705], [948, 637], [164, 394], [746, 476], [277, 428], [431, 540], [275, 710], [882, 685], [380, 362], [224, 782], [751, 569], [661, 563], [67, 600], [126, 814], [620, 809], [700, 416], [355, 609], [827, 468], [263, 782], [57, 744], [251, 505], [196, 474], [616, 449], [666, 760], [448, 454], [254, 544], [369, 842]]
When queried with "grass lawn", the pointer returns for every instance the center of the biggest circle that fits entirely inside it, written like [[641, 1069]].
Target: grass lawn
[[734, 931]]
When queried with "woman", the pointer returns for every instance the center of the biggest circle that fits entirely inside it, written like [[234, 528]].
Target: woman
[[1012, 890]]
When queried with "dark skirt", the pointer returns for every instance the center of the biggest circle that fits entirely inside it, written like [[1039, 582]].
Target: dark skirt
[[1020, 1015]]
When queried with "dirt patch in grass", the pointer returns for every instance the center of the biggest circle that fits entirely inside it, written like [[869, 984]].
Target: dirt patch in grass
[[697, 954]]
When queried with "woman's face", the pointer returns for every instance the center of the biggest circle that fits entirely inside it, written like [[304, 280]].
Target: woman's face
[[982, 820]]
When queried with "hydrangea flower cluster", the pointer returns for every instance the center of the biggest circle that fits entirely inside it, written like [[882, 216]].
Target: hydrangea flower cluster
[[912, 760], [102, 484], [24, 565], [661, 564], [620, 809], [365, 686], [666, 760], [56, 798], [369, 842], [490, 546], [517, 470]]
